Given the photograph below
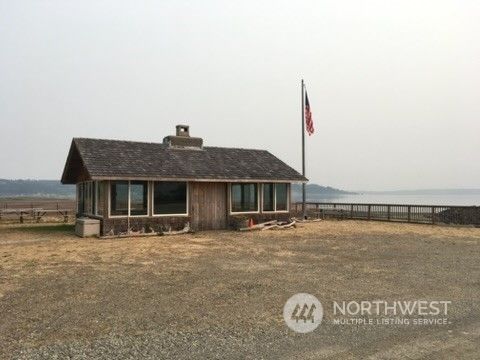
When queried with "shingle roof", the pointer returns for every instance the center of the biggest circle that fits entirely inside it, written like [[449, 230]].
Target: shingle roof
[[115, 159]]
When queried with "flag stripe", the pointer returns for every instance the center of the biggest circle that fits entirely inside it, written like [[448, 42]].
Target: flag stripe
[[308, 116]]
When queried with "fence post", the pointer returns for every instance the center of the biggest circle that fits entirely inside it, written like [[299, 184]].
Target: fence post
[[351, 211], [388, 212], [409, 212], [369, 211], [433, 215]]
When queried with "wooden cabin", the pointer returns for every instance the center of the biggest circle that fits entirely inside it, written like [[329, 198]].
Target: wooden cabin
[[165, 185]]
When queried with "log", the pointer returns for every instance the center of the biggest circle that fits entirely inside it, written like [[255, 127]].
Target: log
[[269, 227], [287, 226], [283, 225], [306, 220], [185, 230], [259, 226]]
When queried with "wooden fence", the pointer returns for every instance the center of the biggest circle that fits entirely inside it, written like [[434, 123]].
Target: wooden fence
[[36, 210], [421, 214]]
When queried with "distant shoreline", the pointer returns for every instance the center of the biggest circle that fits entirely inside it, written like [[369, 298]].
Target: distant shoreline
[[54, 189], [425, 192]]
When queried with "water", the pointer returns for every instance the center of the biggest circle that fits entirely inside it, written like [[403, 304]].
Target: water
[[417, 199]]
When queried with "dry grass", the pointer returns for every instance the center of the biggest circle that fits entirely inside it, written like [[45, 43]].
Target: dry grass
[[225, 290]]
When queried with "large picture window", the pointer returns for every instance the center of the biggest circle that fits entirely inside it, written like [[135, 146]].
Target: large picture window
[[169, 198], [129, 198], [268, 197], [119, 198], [138, 198], [281, 197], [244, 197], [275, 197]]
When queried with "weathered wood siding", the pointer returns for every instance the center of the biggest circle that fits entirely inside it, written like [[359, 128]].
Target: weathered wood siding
[[208, 205]]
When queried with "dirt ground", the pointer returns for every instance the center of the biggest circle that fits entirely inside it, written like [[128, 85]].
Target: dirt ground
[[221, 294]]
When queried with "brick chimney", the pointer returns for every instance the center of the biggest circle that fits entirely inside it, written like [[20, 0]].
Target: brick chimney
[[182, 130], [182, 139]]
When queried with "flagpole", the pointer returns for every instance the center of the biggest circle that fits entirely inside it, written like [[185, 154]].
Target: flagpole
[[304, 209]]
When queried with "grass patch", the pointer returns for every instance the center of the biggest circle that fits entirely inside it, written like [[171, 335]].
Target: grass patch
[[30, 263]]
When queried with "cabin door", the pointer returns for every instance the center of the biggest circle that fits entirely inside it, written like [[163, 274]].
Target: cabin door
[[208, 205]]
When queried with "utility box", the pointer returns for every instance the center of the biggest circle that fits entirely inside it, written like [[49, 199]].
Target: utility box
[[85, 227]]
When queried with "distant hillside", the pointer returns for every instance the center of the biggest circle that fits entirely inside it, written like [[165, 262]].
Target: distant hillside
[[314, 190], [53, 188], [35, 188]]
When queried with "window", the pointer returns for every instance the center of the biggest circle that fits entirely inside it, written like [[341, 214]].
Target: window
[[90, 198], [80, 198], [275, 197], [100, 198], [119, 198], [84, 198], [268, 197], [244, 198], [169, 198], [138, 198], [281, 197], [94, 197]]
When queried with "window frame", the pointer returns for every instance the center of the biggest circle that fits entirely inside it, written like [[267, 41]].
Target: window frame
[[130, 196], [287, 201], [80, 198], [110, 216], [87, 197], [259, 199], [275, 199], [99, 186], [152, 196], [87, 200]]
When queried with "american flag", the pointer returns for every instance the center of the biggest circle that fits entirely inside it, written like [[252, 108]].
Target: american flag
[[308, 116]]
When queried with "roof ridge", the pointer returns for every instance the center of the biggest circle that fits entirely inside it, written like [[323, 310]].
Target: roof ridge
[[160, 143]]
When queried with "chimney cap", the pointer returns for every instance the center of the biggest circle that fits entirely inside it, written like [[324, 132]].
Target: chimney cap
[[182, 130]]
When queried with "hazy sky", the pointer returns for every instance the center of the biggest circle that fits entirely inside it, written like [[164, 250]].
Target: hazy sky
[[394, 85]]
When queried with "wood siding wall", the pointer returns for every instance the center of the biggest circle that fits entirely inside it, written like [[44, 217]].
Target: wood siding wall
[[208, 205]]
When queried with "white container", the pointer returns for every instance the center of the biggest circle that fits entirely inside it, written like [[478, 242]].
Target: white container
[[85, 227]]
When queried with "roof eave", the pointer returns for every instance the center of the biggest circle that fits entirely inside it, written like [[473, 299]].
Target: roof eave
[[197, 179]]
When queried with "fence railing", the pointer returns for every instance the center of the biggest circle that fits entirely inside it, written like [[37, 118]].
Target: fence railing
[[36, 210], [422, 214]]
